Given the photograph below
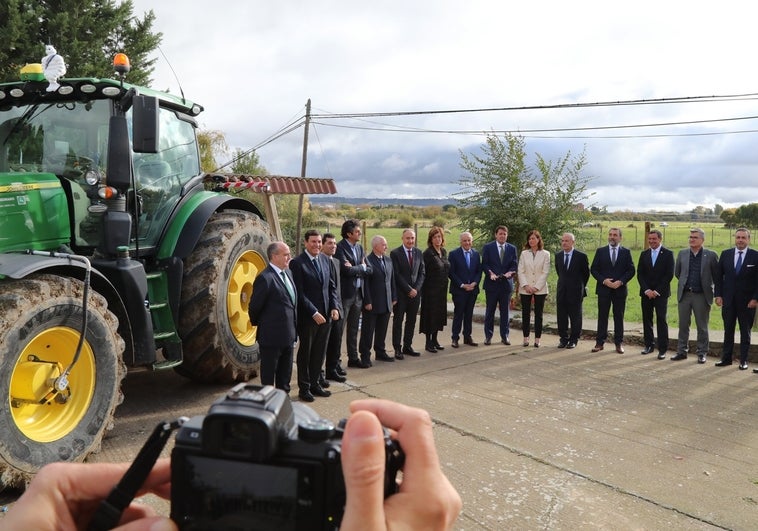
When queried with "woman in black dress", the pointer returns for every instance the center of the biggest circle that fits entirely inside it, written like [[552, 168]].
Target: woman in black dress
[[434, 289]]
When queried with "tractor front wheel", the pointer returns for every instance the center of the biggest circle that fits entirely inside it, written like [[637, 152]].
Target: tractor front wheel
[[48, 414]]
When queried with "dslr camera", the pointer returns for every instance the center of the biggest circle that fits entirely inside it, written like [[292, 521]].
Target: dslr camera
[[257, 461]]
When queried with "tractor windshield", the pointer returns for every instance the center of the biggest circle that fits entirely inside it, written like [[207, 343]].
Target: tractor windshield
[[69, 139]]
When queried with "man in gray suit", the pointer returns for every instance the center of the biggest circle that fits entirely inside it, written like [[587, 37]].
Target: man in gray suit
[[696, 269]]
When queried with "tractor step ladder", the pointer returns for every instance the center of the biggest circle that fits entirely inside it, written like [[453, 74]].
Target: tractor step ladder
[[164, 329]]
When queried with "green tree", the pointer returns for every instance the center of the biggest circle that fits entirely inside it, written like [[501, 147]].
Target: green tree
[[212, 145], [247, 163], [87, 34], [501, 189]]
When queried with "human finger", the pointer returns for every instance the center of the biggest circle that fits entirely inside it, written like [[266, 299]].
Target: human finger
[[363, 458]]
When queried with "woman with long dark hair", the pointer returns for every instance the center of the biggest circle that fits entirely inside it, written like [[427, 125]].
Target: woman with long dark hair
[[434, 289], [533, 269]]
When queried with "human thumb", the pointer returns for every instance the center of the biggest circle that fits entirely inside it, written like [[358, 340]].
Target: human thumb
[[363, 462]]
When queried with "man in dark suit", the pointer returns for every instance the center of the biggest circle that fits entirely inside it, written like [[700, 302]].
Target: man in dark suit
[[465, 274], [696, 269], [273, 309], [737, 294], [333, 369], [408, 269], [612, 268], [573, 268], [353, 271], [317, 307], [379, 297], [655, 270], [499, 265]]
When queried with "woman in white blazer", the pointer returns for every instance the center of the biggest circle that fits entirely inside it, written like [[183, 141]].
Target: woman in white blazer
[[533, 269]]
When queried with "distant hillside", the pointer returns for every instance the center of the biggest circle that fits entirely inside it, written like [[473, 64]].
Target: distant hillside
[[337, 200]]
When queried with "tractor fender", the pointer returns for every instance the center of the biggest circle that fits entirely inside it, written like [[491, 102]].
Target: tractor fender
[[187, 226], [18, 266]]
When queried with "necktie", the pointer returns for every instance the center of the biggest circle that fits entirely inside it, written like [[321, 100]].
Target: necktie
[[288, 286], [410, 258], [318, 268], [654, 255], [738, 266], [502, 253], [565, 260], [613, 255], [468, 259]]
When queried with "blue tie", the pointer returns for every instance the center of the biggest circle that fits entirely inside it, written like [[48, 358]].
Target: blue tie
[[468, 259], [738, 266]]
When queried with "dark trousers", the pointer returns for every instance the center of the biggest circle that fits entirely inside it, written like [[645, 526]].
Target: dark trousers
[[569, 312], [495, 298], [276, 367], [406, 310], [733, 314], [617, 301], [310, 353], [333, 346], [660, 306], [526, 313], [463, 313], [352, 307], [373, 329]]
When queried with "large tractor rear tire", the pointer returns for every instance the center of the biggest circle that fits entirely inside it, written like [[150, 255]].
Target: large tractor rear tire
[[219, 343], [40, 326]]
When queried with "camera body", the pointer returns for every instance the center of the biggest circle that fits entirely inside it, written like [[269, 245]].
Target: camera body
[[258, 461]]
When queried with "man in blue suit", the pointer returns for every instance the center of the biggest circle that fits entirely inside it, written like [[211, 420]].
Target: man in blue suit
[[379, 298], [612, 268], [499, 265], [465, 274], [655, 270], [273, 310], [736, 292], [317, 308]]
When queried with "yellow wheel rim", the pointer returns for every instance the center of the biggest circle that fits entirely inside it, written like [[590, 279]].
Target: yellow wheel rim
[[239, 293], [44, 359]]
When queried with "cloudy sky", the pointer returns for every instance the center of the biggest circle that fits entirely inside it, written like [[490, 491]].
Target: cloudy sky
[[253, 65]]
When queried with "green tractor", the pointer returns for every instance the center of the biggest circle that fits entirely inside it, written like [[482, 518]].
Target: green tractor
[[114, 255]]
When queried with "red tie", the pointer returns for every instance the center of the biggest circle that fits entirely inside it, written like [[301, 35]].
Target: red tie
[[410, 257]]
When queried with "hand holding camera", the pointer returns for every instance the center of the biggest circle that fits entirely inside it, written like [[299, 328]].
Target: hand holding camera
[[66, 496]]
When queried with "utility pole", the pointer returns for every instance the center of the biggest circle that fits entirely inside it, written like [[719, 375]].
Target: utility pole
[[302, 174]]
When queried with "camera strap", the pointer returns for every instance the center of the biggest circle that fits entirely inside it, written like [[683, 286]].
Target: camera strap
[[109, 512]]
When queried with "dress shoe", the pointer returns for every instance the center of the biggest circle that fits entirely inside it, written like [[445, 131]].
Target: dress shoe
[[454, 343], [598, 347], [384, 357], [306, 396], [335, 377], [620, 348], [662, 355], [722, 363], [399, 355], [647, 350], [430, 348], [438, 346], [679, 357], [487, 341], [536, 344], [340, 370], [571, 344], [317, 390], [357, 364], [755, 371], [408, 351], [507, 341], [322, 382], [470, 342], [562, 344], [743, 366], [526, 342], [701, 358]]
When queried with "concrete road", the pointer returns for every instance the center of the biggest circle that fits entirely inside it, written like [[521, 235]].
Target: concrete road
[[545, 438]]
